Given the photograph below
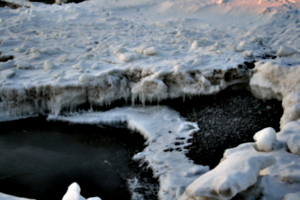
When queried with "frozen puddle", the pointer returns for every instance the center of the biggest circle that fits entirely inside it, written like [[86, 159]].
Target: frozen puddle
[[40, 159]]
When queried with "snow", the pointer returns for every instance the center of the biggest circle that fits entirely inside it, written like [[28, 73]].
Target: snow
[[237, 171], [9, 197], [285, 51], [292, 196], [100, 51], [265, 139], [166, 135], [73, 193]]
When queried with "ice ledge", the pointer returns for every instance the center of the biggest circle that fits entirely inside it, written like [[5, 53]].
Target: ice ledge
[[135, 85]]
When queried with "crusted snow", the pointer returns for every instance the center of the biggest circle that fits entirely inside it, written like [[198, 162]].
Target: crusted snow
[[101, 51]]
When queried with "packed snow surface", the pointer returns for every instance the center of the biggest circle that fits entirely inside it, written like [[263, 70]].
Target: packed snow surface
[[54, 58]]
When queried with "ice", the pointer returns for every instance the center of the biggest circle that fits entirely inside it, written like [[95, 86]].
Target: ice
[[86, 78], [24, 65], [9, 197], [294, 144], [285, 51], [265, 139], [48, 65], [161, 127], [127, 57], [100, 51], [73, 193], [237, 171], [292, 196], [150, 51]]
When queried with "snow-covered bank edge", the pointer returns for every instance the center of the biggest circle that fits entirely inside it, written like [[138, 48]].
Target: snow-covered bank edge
[[270, 166], [72, 193], [132, 85], [166, 135]]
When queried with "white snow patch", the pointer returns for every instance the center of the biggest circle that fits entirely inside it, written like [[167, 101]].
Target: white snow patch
[[265, 139], [48, 65], [285, 51], [127, 57], [86, 78], [293, 143], [237, 171], [292, 196], [150, 51], [10, 197], [73, 193], [24, 65]]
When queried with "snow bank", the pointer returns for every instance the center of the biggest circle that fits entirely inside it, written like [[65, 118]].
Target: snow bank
[[109, 86], [280, 81], [237, 171]]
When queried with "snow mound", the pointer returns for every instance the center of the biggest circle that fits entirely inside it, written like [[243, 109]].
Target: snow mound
[[237, 171], [73, 193], [285, 51], [292, 196], [48, 65], [265, 139], [294, 143]]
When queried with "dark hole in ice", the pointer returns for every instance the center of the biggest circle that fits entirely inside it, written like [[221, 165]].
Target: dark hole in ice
[[53, 1], [5, 58], [226, 120], [7, 4], [40, 159]]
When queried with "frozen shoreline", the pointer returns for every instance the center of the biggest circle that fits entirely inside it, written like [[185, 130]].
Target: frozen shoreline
[[149, 51]]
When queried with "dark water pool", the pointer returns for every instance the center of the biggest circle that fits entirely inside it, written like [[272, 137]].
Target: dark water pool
[[40, 159]]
